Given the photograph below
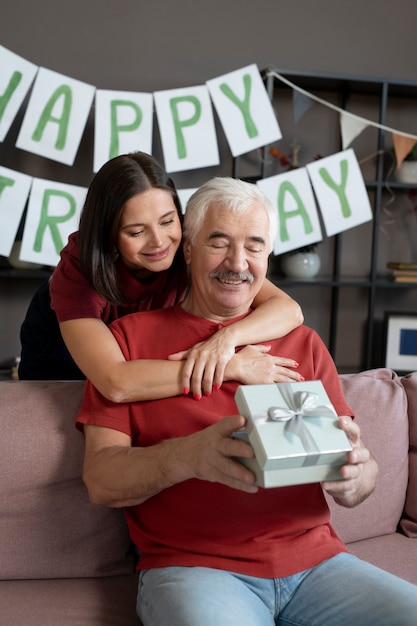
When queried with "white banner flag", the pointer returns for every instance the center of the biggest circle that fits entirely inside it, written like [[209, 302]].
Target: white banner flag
[[298, 220], [244, 109], [123, 123], [186, 124], [16, 77], [340, 191], [55, 117], [14, 191], [53, 214], [350, 128]]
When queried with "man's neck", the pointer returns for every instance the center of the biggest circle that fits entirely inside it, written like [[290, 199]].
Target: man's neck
[[218, 317]]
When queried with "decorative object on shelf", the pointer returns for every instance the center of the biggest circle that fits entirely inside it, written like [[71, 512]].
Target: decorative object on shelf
[[15, 261], [15, 369], [301, 263], [400, 331], [403, 272], [289, 161], [407, 172]]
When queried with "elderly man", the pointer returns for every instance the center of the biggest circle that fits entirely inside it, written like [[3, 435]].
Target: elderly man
[[214, 548]]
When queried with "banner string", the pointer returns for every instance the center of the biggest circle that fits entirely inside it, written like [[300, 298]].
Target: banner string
[[336, 108]]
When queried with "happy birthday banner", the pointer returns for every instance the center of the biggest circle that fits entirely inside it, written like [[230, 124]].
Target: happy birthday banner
[[55, 119]]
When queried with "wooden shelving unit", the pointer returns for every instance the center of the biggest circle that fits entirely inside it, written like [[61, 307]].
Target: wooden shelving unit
[[383, 100]]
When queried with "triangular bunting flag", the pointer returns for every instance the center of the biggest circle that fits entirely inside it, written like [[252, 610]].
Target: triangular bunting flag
[[300, 105], [350, 127], [402, 146]]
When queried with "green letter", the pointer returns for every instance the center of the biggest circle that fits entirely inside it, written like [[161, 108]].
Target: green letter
[[243, 105], [5, 182], [283, 216], [178, 124], [340, 190], [10, 89], [51, 222], [66, 93], [116, 129]]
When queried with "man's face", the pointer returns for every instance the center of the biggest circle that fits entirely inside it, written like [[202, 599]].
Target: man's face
[[228, 262]]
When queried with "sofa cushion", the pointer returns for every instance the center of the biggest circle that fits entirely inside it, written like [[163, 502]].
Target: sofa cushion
[[379, 402], [109, 601], [409, 521], [394, 553], [48, 527]]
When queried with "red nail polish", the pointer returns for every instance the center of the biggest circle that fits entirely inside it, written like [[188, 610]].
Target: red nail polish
[[207, 394], [302, 378], [197, 397], [185, 391], [296, 364], [216, 387]]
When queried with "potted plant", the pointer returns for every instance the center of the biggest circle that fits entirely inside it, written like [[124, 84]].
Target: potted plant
[[407, 172]]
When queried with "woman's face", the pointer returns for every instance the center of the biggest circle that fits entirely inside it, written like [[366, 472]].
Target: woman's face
[[149, 231]]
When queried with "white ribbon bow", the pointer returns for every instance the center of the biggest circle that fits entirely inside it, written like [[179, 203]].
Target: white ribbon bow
[[300, 404]]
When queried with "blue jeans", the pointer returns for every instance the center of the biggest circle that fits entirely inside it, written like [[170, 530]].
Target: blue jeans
[[340, 591]]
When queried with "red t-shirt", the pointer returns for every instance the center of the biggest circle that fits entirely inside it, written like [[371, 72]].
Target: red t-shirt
[[273, 533], [72, 297]]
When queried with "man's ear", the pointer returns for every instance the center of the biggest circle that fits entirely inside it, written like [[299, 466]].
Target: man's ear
[[186, 246]]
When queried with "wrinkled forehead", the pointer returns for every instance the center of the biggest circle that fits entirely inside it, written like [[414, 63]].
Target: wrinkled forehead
[[252, 222]]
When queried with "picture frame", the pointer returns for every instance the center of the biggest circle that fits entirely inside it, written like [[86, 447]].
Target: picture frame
[[400, 341]]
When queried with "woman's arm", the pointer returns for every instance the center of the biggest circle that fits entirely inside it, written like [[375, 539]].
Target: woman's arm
[[95, 350], [98, 355], [275, 315]]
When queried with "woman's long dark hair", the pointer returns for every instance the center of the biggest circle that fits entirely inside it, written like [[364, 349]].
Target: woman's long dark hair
[[114, 184]]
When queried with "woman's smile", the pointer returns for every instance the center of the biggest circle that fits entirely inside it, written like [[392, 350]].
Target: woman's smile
[[158, 255]]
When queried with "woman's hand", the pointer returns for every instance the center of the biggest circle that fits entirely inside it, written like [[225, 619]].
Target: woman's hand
[[252, 365], [210, 362], [205, 363]]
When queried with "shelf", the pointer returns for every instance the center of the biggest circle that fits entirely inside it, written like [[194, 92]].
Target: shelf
[[340, 281], [351, 321], [31, 274], [318, 281], [389, 184]]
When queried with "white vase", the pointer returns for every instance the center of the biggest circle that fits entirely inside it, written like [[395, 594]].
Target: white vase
[[407, 173], [300, 264]]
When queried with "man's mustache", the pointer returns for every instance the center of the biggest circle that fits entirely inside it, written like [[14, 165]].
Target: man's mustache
[[227, 276]]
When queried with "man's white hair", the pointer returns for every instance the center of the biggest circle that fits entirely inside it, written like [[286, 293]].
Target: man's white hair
[[233, 193]]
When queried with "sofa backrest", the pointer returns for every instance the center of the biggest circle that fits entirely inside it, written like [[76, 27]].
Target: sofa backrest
[[380, 404], [48, 527]]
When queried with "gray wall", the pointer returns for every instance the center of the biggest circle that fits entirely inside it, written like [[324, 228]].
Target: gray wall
[[161, 44]]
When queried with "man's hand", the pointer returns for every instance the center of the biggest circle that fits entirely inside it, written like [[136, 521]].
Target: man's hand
[[117, 474], [358, 475], [210, 455]]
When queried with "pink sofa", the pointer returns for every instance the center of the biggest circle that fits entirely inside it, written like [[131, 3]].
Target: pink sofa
[[66, 561]]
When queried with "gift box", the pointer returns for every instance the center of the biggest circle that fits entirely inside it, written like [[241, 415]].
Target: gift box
[[294, 432]]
